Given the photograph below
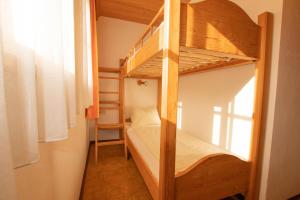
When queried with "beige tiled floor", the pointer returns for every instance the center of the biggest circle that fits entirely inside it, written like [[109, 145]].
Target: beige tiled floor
[[114, 177]]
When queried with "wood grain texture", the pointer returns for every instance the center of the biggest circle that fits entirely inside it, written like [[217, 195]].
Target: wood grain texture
[[109, 143], [130, 10], [151, 48], [110, 126], [169, 98], [213, 177], [140, 11], [264, 20], [219, 26], [211, 32], [121, 99]]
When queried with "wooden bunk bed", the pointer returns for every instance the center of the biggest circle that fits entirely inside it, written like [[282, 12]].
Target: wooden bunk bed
[[213, 34], [188, 38]]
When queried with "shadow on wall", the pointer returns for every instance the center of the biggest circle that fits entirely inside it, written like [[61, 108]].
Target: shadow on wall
[[217, 107]]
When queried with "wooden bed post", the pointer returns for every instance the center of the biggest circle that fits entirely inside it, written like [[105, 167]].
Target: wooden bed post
[[264, 21], [169, 92]]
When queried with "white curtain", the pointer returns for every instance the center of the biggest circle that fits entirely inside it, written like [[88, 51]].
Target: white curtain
[[39, 83], [38, 54], [7, 185], [84, 70]]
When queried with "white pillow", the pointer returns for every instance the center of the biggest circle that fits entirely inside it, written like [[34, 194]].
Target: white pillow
[[145, 117]]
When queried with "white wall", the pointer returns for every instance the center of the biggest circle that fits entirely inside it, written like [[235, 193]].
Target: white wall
[[115, 38], [59, 172], [284, 174], [140, 96], [217, 107]]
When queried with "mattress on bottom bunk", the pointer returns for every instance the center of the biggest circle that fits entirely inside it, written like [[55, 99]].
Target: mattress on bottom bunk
[[189, 149]]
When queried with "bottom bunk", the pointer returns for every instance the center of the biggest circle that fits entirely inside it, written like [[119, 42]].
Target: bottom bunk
[[201, 170]]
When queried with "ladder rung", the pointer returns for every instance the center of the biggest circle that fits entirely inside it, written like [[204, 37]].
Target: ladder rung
[[109, 126], [109, 77], [110, 142], [109, 69], [109, 92], [109, 108], [109, 102]]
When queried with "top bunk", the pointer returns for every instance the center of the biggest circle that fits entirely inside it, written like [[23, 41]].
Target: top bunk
[[213, 34]]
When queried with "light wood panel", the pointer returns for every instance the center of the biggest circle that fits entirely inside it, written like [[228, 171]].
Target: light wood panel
[[109, 102], [110, 126], [151, 48], [213, 34], [108, 143], [264, 20], [220, 26], [213, 177], [169, 98], [141, 11], [121, 99]]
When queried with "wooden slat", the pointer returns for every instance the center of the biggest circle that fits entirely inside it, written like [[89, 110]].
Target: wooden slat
[[109, 102], [121, 98], [217, 36], [109, 77], [215, 66], [109, 69], [264, 20], [108, 143], [191, 60], [109, 108], [109, 126], [158, 16], [169, 100], [151, 48], [108, 92]]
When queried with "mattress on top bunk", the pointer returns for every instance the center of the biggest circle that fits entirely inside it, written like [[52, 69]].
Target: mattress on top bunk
[[189, 149]]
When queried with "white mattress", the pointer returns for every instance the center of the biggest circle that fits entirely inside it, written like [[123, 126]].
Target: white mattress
[[189, 149]]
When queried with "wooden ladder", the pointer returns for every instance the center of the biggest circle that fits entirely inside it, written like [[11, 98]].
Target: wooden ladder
[[110, 105]]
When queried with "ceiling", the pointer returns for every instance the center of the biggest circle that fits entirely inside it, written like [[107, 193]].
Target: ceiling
[[141, 11]]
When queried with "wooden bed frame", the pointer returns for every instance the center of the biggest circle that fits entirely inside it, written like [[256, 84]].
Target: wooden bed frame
[[213, 177], [208, 35], [223, 36]]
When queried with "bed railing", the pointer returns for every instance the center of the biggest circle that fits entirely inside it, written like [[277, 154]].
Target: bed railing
[[158, 18]]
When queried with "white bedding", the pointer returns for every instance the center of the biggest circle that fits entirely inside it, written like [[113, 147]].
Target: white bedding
[[189, 149]]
